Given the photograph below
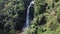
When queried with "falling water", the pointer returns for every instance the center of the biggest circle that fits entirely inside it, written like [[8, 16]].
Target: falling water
[[27, 16]]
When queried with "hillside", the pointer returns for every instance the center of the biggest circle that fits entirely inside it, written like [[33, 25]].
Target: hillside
[[44, 16]]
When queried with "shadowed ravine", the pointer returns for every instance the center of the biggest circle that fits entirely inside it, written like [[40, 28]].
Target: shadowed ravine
[[27, 16]]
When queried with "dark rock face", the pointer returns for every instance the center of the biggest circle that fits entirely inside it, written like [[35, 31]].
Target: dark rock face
[[26, 3], [32, 12], [19, 23], [21, 18]]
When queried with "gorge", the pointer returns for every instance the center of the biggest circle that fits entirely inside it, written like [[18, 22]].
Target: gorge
[[28, 16]]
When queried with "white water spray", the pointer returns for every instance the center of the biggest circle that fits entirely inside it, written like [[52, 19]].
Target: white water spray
[[27, 16]]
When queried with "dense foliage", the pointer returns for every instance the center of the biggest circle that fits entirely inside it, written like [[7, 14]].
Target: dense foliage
[[44, 15]]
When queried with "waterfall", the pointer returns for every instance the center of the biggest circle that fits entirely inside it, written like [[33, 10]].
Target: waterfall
[[27, 16]]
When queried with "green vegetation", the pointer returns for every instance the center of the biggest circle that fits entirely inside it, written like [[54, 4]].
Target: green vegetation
[[46, 16]]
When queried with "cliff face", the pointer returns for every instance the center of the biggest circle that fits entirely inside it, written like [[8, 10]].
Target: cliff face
[[21, 18]]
